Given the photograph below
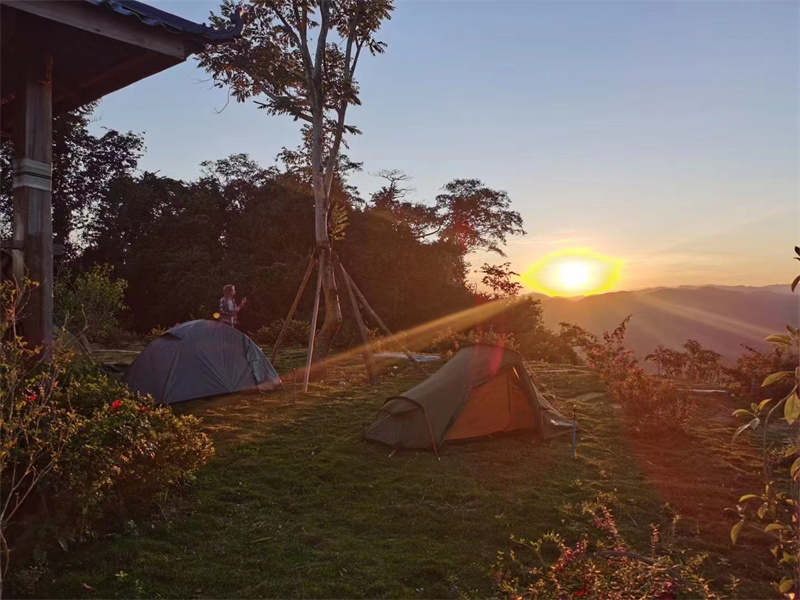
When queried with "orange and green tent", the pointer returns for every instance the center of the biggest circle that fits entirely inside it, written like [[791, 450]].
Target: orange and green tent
[[483, 391]]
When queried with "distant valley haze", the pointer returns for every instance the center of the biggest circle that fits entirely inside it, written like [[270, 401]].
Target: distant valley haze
[[721, 318]]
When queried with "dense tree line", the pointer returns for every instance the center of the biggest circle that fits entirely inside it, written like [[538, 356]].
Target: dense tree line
[[176, 243]]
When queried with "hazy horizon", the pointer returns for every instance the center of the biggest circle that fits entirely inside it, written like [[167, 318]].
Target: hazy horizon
[[664, 135], [767, 287]]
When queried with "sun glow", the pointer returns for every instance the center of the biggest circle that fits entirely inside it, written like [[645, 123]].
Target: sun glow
[[576, 271]]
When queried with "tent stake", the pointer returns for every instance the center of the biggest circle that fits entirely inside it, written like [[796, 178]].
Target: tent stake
[[285, 326], [366, 352], [381, 324], [313, 332]]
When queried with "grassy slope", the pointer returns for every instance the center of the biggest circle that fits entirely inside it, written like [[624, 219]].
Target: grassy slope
[[296, 505]]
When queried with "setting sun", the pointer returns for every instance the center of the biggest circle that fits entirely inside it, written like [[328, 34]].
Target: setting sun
[[574, 275], [576, 271]]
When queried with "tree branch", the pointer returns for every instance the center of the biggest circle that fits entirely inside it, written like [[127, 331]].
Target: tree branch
[[325, 15], [300, 37], [348, 85], [296, 115]]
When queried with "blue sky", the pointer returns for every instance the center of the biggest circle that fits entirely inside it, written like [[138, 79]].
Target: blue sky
[[664, 133]]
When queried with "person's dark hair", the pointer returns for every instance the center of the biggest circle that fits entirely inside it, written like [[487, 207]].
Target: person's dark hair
[[227, 289]]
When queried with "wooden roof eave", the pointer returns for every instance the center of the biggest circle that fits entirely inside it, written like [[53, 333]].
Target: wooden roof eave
[[128, 46]]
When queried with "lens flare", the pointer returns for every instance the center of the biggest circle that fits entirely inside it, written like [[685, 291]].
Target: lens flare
[[571, 272]]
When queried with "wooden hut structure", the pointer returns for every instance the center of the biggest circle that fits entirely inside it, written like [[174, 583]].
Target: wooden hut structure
[[57, 55]]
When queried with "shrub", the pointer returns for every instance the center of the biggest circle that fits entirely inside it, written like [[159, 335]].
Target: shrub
[[89, 301], [448, 342], [121, 462], [154, 333], [599, 565], [34, 429], [296, 334], [773, 511], [753, 366], [654, 404], [91, 453]]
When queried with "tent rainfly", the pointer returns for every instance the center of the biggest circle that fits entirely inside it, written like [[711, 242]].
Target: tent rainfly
[[200, 359], [483, 391]]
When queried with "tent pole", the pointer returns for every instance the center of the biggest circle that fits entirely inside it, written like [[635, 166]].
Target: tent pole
[[313, 332], [381, 324], [366, 352], [299, 295]]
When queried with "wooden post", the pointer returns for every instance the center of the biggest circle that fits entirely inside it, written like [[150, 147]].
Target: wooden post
[[33, 223], [381, 324], [313, 331], [366, 352], [299, 295]]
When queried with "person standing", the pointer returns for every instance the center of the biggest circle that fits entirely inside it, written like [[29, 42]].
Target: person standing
[[228, 309]]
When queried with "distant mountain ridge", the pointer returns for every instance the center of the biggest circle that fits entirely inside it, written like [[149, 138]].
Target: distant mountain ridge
[[721, 318]]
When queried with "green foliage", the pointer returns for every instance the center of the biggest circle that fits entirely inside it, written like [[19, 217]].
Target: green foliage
[[89, 301], [91, 454], [775, 512], [701, 364], [753, 367], [654, 404], [84, 164], [475, 217], [498, 279], [123, 459], [600, 565], [296, 334], [35, 428], [696, 363], [154, 333], [669, 362], [272, 58], [448, 342]]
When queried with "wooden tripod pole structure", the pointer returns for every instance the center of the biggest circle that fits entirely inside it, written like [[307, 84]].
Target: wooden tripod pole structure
[[292, 310], [313, 332], [380, 323], [366, 351]]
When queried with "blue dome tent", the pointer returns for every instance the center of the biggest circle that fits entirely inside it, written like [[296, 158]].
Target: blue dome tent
[[200, 359]]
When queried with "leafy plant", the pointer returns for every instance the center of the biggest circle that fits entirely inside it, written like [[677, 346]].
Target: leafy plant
[[90, 452], [154, 333], [121, 461], [448, 342], [89, 301], [296, 334], [652, 402], [600, 564], [774, 512], [701, 363], [669, 362], [34, 428], [753, 366]]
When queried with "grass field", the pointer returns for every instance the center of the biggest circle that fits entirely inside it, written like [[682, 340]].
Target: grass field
[[294, 504]]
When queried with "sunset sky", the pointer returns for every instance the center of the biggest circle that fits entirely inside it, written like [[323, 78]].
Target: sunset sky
[[661, 133]]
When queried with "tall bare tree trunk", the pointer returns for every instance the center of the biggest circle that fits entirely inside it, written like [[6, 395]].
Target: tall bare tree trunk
[[333, 310]]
